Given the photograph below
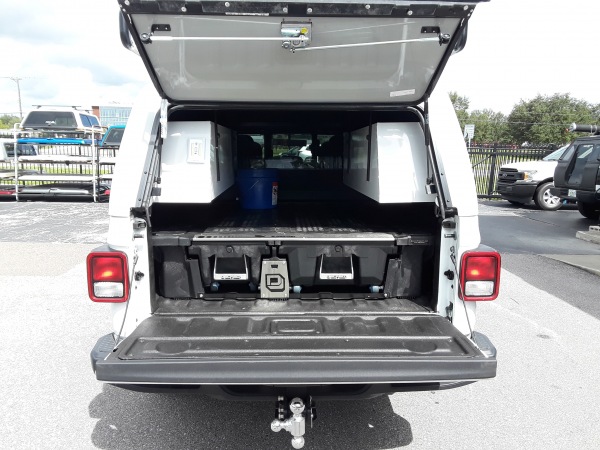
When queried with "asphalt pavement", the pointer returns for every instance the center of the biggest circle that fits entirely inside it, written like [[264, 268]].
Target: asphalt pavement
[[562, 235]]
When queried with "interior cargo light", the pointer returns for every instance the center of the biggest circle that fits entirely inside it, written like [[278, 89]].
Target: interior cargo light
[[108, 279], [480, 275]]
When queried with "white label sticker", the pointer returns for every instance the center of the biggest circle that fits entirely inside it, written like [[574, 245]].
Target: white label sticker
[[402, 93], [196, 151]]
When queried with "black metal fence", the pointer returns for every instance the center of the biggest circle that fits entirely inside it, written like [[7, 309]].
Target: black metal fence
[[486, 162]]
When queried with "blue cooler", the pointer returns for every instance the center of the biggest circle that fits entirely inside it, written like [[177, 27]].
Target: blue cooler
[[258, 188]]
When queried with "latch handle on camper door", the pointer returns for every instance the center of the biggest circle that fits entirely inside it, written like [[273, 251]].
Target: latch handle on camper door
[[296, 35]]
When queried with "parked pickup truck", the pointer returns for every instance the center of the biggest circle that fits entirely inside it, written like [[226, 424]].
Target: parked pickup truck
[[353, 273], [113, 136], [7, 160], [60, 125], [524, 181], [7, 149], [577, 173]]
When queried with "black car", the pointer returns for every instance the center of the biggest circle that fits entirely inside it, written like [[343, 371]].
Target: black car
[[578, 172]]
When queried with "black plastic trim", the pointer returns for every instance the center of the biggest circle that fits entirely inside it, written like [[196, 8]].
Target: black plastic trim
[[268, 393], [417, 8], [588, 197], [102, 349], [298, 371]]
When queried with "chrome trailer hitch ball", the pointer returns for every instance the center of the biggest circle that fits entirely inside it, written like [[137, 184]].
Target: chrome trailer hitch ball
[[296, 423]]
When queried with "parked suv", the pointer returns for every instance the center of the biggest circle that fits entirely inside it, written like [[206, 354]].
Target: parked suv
[[578, 172], [59, 125], [522, 182]]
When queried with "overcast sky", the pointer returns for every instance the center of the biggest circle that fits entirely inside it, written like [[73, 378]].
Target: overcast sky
[[69, 53]]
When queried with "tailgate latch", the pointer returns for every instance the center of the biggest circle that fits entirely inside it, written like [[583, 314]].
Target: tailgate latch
[[274, 280]]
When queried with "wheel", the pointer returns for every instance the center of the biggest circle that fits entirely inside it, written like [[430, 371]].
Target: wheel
[[544, 199], [589, 210]]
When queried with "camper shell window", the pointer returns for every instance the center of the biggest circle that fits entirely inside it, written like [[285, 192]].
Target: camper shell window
[[50, 119]]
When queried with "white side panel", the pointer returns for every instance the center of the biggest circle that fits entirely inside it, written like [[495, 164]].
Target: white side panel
[[457, 176], [189, 163], [355, 173], [452, 156], [467, 238], [138, 141], [398, 170]]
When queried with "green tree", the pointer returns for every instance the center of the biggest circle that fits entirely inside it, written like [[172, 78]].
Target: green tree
[[546, 119], [490, 126], [7, 121], [461, 107]]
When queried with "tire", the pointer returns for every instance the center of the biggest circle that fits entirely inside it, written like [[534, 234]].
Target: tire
[[544, 199], [589, 210]]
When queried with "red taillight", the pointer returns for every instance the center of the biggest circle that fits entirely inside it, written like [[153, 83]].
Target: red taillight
[[108, 279], [479, 275]]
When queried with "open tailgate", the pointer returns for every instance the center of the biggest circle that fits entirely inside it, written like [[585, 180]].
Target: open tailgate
[[295, 342]]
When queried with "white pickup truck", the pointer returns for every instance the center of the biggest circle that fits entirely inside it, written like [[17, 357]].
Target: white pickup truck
[[522, 182], [351, 273]]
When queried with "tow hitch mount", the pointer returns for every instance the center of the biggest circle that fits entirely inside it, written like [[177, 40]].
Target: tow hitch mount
[[293, 418]]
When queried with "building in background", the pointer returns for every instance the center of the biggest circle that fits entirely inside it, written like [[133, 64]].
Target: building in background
[[112, 114]]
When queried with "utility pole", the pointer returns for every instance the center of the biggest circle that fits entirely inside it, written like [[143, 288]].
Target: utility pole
[[17, 80]]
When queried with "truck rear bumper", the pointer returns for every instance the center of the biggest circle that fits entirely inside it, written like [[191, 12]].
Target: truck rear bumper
[[407, 348], [294, 372], [564, 193]]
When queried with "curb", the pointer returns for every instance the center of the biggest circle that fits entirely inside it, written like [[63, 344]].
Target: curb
[[589, 263], [593, 235]]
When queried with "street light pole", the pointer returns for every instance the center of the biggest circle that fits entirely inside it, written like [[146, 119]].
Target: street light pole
[[17, 80]]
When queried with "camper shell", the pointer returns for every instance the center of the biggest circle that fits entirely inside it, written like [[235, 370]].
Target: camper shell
[[59, 125], [243, 271]]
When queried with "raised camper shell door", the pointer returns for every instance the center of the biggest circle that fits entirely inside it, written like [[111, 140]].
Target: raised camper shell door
[[294, 52]]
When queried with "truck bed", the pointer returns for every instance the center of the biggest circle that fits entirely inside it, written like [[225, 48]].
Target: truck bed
[[306, 220]]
